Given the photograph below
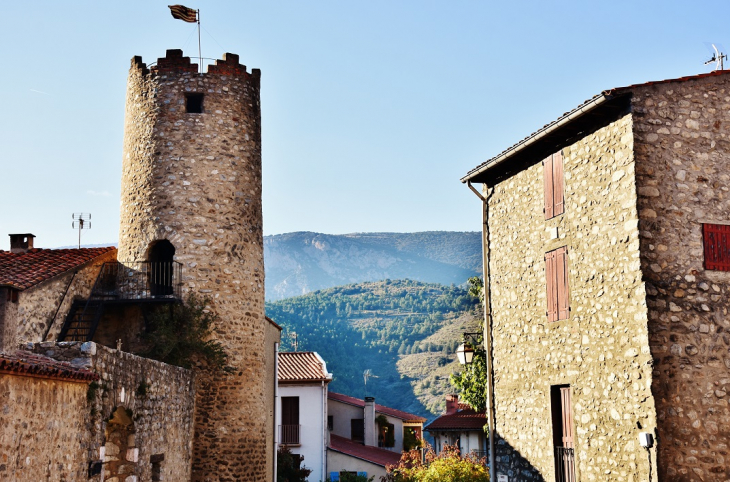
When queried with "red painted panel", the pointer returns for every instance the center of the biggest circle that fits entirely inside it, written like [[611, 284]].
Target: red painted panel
[[558, 181], [716, 239], [552, 290], [562, 283], [547, 175]]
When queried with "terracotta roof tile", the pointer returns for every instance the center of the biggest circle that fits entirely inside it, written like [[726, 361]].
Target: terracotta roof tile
[[29, 364], [302, 366], [373, 455], [393, 412], [465, 419], [25, 270]]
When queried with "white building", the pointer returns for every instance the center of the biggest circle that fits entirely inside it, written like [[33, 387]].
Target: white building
[[302, 409], [460, 426]]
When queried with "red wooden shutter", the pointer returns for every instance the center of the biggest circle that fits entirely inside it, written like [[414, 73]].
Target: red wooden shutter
[[561, 268], [567, 407], [716, 239], [558, 194], [547, 175], [552, 291]]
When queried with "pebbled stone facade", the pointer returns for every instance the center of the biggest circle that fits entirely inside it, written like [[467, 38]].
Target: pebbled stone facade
[[194, 179]]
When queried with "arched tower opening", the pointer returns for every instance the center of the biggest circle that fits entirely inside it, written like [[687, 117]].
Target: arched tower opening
[[161, 255]]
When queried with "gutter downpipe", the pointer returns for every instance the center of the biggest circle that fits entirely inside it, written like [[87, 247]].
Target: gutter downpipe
[[276, 406], [487, 324], [540, 134]]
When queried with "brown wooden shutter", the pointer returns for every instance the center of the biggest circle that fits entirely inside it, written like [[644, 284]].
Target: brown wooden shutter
[[567, 408], [552, 291], [547, 175], [290, 410], [563, 288], [558, 181], [716, 239]]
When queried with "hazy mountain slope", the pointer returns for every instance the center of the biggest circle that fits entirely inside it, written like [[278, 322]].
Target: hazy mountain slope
[[298, 263], [373, 325]]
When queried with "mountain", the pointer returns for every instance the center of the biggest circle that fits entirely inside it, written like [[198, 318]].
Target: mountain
[[405, 331], [302, 262]]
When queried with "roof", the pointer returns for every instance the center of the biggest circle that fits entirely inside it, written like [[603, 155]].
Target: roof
[[25, 270], [28, 364], [392, 412], [465, 419], [302, 366], [272, 322], [601, 106], [374, 455]]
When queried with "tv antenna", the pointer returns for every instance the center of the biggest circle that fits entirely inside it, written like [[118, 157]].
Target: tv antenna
[[368, 374], [718, 58], [295, 342], [81, 221]]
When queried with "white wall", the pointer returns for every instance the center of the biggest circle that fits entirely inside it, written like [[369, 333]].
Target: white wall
[[342, 413], [337, 462], [313, 421]]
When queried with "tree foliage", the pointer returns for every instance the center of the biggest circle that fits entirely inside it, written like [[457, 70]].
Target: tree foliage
[[180, 335], [448, 466], [289, 467]]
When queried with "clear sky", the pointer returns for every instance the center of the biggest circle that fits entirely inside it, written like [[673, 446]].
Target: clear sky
[[372, 110]]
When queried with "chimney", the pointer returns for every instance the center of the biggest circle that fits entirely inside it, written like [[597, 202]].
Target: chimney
[[371, 436], [452, 404], [21, 243]]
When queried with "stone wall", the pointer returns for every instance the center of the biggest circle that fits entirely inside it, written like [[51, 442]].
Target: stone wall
[[42, 423], [140, 413], [273, 337], [38, 307], [194, 179], [683, 175], [602, 349]]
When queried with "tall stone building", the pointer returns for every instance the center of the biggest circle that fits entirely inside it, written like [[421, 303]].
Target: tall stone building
[[191, 193], [608, 236]]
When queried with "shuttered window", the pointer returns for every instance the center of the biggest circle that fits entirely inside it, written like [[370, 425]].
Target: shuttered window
[[563, 441], [716, 239], [553, 183], [557, 284]]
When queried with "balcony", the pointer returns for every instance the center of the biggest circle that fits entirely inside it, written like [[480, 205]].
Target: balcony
[[289, 434], [564, 464], [139, 280]]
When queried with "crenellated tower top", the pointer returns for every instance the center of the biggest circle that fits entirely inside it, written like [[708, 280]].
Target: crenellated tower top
[[175, 62]]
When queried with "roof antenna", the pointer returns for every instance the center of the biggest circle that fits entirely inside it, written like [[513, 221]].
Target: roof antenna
[[718, 58], [368, 374], [81, 221], [296, 340]]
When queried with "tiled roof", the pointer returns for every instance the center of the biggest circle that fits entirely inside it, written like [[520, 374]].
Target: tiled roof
[[302, 366], [24, 270], [587, 105], [395, 413], [373, 455], [464, 419], [31, 365]]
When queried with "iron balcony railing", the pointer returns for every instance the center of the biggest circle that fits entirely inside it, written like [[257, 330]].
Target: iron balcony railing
[[564, 464], [289, 434], [139, 280]]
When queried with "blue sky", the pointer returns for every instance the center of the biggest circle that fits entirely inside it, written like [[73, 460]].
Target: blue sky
[[372, 110]]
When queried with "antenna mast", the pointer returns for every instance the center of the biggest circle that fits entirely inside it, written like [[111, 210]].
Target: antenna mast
[[81, 221], [718, 58]]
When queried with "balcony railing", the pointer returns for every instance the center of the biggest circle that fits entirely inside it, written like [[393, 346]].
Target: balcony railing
[[564, 464], [139, 280], [289, 434]]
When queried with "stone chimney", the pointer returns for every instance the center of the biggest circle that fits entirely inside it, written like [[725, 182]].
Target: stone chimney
[[21, 243], [371, 436], [452, 404]]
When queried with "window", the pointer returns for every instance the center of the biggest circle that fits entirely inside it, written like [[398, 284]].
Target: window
[[357, 429], [558, 290], [194, 103], [562, 416], [386, 435], [553, 180], [716, 239], [330, 422], [289, 421]]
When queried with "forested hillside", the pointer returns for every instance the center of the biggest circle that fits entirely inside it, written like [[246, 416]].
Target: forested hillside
[[404, 331], [299, 263]]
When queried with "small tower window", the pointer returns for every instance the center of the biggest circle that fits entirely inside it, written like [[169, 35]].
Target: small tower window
[[194, 103]]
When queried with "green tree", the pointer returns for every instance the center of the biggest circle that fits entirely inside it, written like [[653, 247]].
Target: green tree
[[289, 467], [471, 382]]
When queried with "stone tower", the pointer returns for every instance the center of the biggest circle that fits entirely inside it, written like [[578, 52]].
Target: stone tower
[[191, 191]]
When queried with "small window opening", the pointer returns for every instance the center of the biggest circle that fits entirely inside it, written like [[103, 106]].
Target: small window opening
[[194, 103]]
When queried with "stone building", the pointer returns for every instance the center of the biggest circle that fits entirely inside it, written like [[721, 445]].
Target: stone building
[[607, 287]]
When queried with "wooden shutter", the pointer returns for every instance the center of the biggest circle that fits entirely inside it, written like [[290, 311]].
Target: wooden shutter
[[550, 282], [547, 175], [558, 181], [567, 412], [562, 283], [716, 239], [290, 410]]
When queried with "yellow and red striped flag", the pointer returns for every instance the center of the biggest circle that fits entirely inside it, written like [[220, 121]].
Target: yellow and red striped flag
[[184, 13]]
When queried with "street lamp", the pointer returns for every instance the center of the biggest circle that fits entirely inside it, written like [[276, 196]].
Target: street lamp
[[465, 352]]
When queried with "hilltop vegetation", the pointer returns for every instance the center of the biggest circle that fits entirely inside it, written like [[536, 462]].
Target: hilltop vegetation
[[405, 331], [299, 263]]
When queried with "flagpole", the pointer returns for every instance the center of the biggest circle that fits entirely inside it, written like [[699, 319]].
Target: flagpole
[[200, 52]]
